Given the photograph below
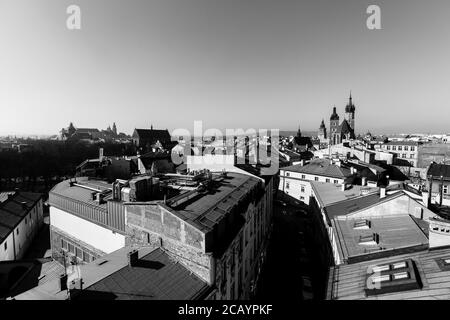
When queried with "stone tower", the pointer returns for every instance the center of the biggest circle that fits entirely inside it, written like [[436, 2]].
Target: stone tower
[[350, 113], [334, 127], [322, 131]]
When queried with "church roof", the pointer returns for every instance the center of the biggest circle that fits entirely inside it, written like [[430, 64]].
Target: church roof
[[345, 127], [334, 116]]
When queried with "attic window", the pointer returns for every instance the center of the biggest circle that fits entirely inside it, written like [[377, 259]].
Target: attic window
[[392, 277], [370, 239], [362, 224]]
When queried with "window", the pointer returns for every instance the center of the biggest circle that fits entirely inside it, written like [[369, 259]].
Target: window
[[63, 244], [406, 148], [413, 148], [287, 174], [303, 176], [287, 185], [26, 220], [327, 180], [445, 189], [316, 178], [6, 245], [336, 182], [388, 147], [302, 189], [411, 156], [71, 248], [394, 148], [399, 148], [17, 231], [392, 277], [79, 253], [404, 155], [86, 257]]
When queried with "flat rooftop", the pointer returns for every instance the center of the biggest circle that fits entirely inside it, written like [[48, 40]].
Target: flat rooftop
[[395, 233], [321, 167], [207, 209], [331, 193]]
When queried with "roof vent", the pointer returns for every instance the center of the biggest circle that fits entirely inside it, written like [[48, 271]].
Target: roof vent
[[362, 225], [371, 239]]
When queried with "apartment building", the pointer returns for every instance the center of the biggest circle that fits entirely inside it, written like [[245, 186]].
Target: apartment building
[[21, 217]]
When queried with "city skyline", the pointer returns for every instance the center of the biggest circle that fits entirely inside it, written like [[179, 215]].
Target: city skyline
[[234, 64]]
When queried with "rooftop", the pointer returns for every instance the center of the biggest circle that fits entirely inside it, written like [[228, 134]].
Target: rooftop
[[206, 209], [328, 193], [348, 282], [439, 170], [82, 190], [321, 167], [403, 143], [156, 276], [14, 209], [394, 235]]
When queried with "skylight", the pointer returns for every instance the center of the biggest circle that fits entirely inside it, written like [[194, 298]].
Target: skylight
[[393, 277]]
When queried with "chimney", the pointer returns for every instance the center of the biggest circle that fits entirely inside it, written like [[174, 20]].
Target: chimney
[[382, 192], [133, 258], [100, 154], [343, 187], [364, 181], [63, 282]]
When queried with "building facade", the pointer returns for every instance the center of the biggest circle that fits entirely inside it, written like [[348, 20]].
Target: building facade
[[21, 217]]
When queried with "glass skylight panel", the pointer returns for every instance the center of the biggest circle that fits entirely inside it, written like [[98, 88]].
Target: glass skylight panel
[[399, 265], [401, 275], [383, 278]]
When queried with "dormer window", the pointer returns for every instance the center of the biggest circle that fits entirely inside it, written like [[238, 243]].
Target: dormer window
[[444, 263]]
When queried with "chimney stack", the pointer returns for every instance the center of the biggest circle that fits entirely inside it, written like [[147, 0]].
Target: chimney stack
[[343, 187], [382, 192], [100, 154], [364, 181], [63, 282], [133, 258]]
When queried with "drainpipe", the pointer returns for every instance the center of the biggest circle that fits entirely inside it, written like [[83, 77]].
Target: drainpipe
[[441, 191]]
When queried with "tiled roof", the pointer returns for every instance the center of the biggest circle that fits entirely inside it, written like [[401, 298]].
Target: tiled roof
[[14, 209], [87, 130], [321, 167], [152, 134], [344, 127], [437, 170], [156, 276]]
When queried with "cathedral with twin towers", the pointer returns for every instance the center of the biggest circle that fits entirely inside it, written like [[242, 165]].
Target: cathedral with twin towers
[[339, 132]]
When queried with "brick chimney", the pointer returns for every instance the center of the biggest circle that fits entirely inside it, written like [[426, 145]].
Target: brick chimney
[[133, 258], [382, 192]]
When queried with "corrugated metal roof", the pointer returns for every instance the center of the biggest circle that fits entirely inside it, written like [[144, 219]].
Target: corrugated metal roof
[[349, 281]]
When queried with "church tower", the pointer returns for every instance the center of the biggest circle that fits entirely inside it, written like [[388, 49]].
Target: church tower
[[322, 131], [350, 113], [334, 127]]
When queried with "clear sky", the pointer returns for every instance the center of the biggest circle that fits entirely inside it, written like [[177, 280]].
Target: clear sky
[[231, 63]]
